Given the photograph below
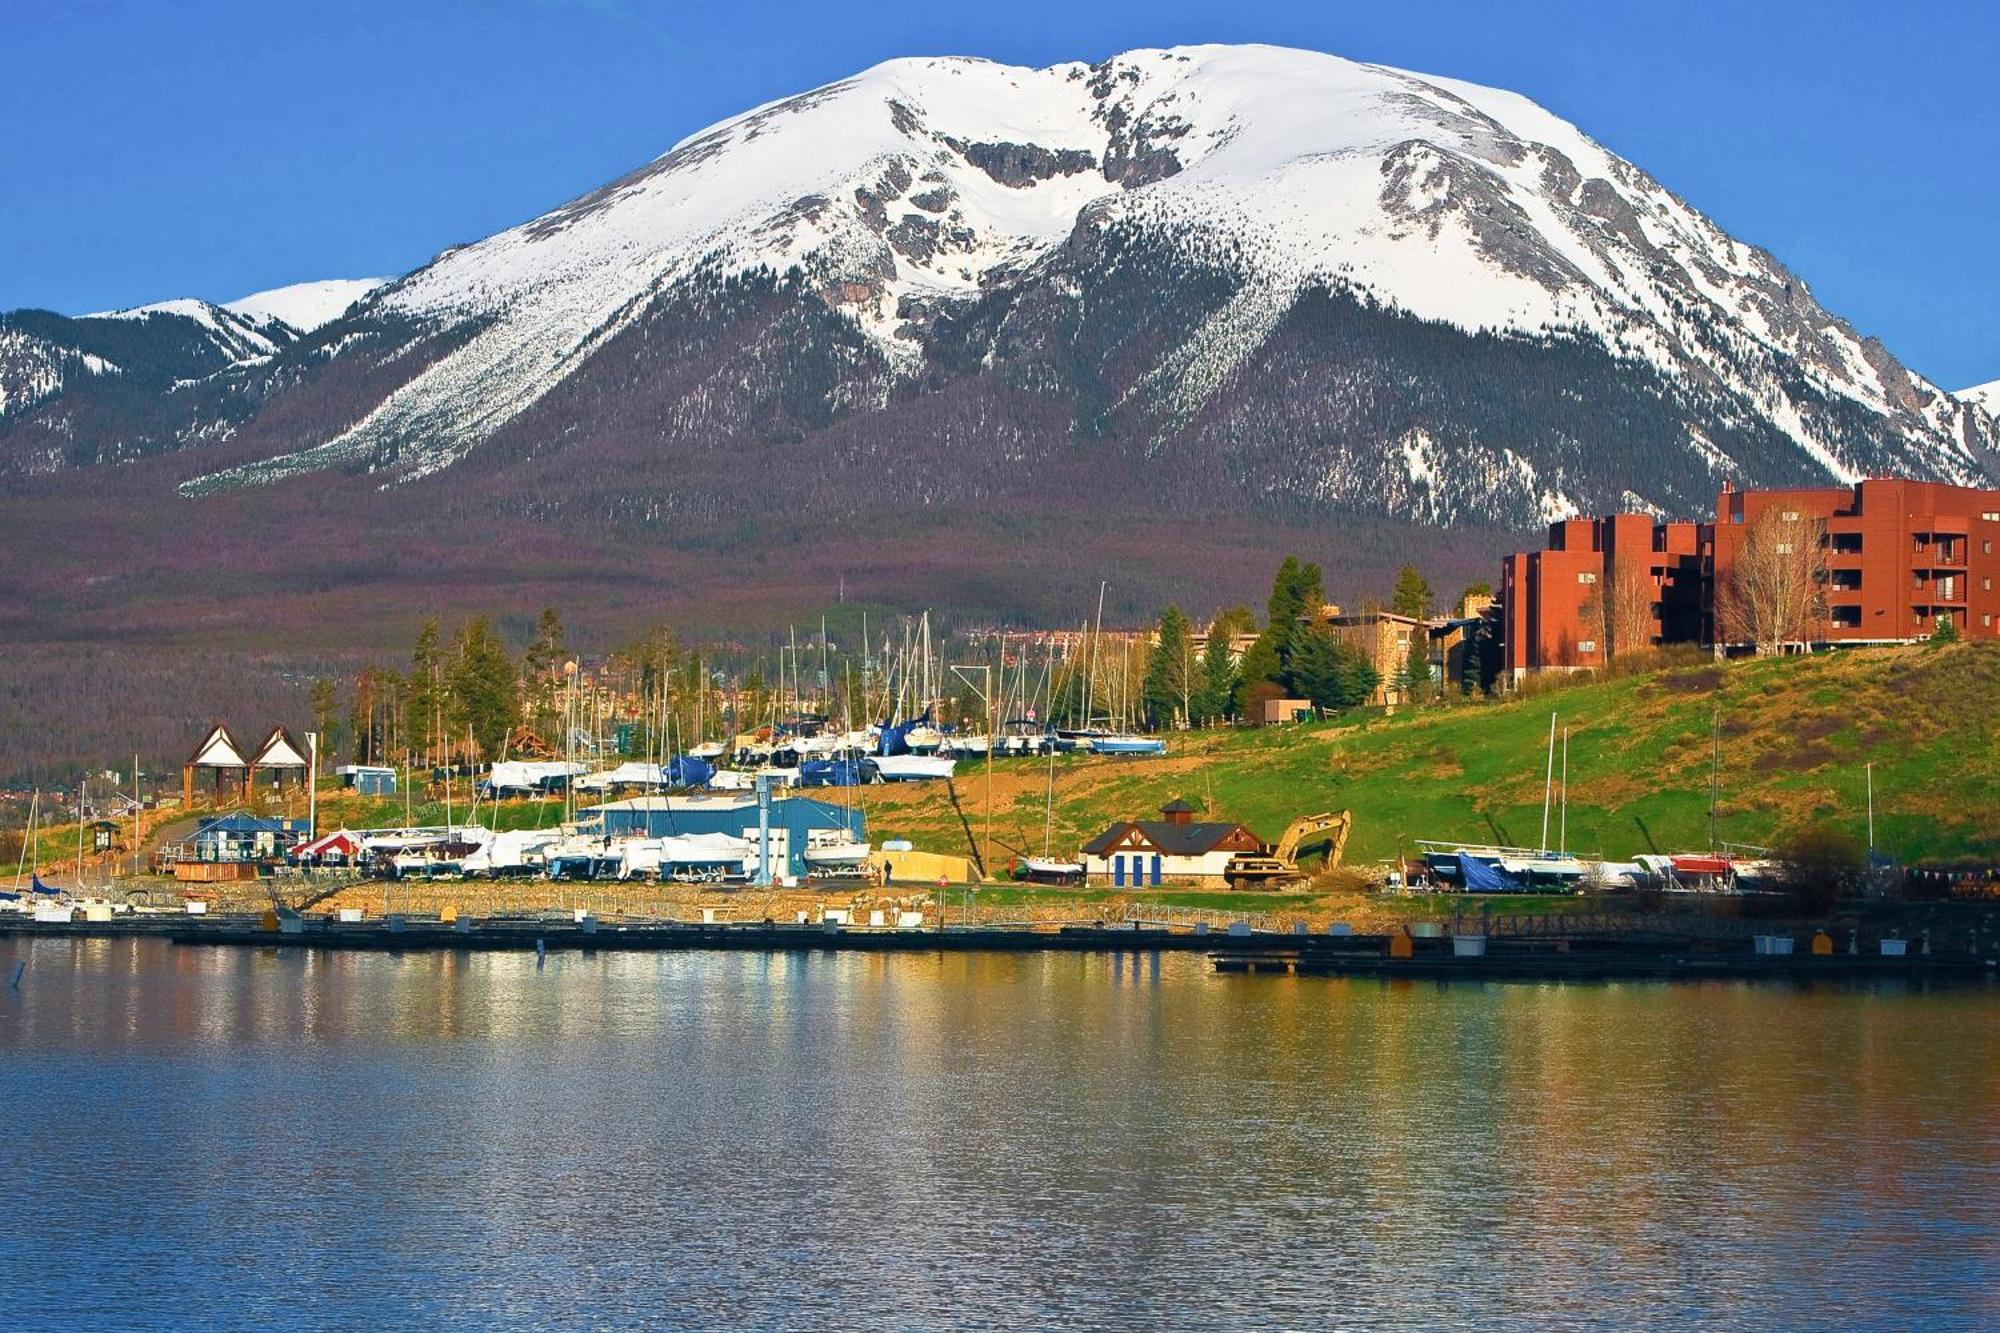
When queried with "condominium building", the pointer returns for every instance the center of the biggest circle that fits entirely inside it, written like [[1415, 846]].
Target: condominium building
[[1886, 558]]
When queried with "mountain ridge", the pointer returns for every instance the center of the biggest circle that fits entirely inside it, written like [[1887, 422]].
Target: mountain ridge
[[1200, 288]]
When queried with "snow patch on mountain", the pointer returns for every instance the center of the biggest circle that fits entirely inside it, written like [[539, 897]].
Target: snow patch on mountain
[[1983, 396], [305, 306]]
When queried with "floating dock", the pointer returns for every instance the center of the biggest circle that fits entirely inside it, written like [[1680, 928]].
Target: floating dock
[[1232, 951]]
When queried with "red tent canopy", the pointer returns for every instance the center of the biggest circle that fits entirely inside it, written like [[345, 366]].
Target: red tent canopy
[[339, 843]]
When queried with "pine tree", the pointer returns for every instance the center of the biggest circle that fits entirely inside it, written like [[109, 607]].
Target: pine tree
[[424, 696], [1331, 673], [1168, 685], [1413, 681], [325, 700], [1296, 597], [1412, 597], [1218, 674], [485, 692]]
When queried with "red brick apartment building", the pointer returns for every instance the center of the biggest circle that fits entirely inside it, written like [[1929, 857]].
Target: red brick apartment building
[[1898, 556]]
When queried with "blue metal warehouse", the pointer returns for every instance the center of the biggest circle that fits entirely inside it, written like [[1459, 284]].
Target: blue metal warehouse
[[793, 818]]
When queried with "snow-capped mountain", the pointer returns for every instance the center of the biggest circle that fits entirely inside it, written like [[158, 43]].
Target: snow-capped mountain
[[121, 384], [1248, 275]]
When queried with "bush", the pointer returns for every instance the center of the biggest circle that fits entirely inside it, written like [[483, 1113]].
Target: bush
[[1821, 864]]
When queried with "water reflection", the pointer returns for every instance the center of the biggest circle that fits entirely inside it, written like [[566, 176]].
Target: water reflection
[[283, 1138]]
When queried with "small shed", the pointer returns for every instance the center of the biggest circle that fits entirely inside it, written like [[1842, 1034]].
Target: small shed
[[368, 779], [1175, 847], [1279, 711], [220, 759], [103, 835]]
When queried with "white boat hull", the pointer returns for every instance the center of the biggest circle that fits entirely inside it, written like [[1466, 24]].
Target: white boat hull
[[913, 767]]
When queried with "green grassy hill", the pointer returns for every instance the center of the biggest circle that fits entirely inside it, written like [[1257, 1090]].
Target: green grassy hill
[[1795, 736]]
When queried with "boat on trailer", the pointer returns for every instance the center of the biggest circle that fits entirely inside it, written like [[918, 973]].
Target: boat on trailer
[[1125, 744], [912, 767]]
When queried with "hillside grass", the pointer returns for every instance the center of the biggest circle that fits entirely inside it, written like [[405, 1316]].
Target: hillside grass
[[1796, 734]]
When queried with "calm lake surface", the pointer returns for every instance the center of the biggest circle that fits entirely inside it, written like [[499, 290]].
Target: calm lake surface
[[255, 1138]]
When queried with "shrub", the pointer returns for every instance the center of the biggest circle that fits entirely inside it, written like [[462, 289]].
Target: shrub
[[1821, 864]]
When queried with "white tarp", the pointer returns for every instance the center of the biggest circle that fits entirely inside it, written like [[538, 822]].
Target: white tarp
[[529, 774], [629, 774], [515, 849]]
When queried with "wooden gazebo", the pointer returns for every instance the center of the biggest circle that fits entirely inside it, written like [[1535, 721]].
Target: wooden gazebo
[[222, 760], [280, 757]]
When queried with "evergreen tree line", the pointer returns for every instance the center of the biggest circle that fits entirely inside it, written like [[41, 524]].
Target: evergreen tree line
[[1296, 655]]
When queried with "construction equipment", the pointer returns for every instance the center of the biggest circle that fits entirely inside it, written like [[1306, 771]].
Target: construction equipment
[[1307, 835]]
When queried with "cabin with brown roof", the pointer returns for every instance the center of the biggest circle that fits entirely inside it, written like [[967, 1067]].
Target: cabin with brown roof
[[1175, 848]]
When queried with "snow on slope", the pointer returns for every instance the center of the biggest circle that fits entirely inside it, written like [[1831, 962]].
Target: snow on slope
[[1986, 396], [935, 178], [306, 305], [240, 335], [33, 369]]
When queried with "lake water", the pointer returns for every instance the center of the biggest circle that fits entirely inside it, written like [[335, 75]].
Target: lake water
[[257, 1138]]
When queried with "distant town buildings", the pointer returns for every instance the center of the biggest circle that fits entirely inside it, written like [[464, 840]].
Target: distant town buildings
[[1882, 561]]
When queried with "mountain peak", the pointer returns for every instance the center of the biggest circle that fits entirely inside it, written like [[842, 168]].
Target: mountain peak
[[1314, 283], [305, 306]]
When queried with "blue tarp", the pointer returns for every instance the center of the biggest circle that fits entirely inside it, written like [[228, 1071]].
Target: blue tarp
[[39, 887], [1483, 876], [830, 773], [895, 740], [687, 771]]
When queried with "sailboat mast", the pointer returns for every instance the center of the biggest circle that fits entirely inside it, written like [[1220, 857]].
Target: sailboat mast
[[34, 807], [1548, 784], [1714, 775], [1564, 844]]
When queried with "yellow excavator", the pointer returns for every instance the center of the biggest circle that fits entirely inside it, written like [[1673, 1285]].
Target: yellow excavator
[[1308, 835]]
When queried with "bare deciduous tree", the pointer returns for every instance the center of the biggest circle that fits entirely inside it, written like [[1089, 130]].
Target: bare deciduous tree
[[1773, 592], [1628, 608]]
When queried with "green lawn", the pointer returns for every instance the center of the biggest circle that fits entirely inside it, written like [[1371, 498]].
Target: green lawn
[[1796, 735]]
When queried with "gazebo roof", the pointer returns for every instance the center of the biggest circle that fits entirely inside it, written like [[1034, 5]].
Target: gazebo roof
[[217, 750], [279, 750]]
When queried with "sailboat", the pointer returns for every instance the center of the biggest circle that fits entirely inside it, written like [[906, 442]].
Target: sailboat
[[1486, 868], [1046, 869]]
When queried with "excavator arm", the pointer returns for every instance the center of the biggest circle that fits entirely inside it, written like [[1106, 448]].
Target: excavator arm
[[1334, 825], [1310, 833]]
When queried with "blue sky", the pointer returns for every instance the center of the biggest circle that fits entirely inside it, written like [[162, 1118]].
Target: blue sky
[[213, 148]]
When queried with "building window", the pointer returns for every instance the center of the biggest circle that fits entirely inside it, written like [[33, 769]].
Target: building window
[[1846, 543], [1586, 577], [1991, 516], [1844, 578], [1846, 617], [1986, 547], [1586, 646], [1790, 516]]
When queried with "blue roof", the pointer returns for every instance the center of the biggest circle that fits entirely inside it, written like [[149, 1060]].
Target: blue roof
[[242, 823]]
